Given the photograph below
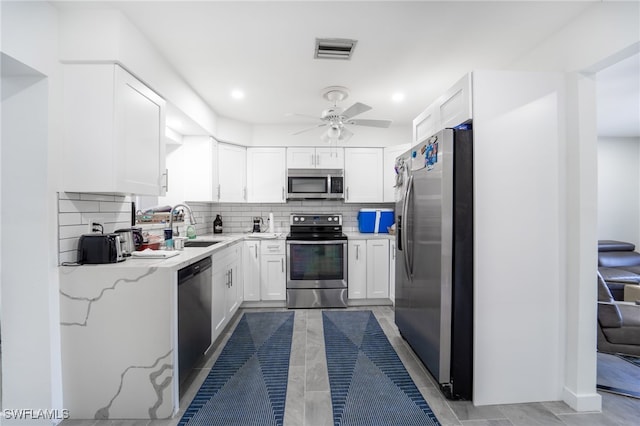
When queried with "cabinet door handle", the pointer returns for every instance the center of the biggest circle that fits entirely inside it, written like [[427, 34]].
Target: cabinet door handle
[[317, 160], [231, 279], [244, 193], [218, 192], [313, 159], [357, 252], [282, 265], [256, 249], [283, 193], [347, 194], [166, 180]]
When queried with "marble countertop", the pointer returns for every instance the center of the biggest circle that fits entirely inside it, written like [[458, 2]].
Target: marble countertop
[[189, 255], [368, 236], [186, 256]]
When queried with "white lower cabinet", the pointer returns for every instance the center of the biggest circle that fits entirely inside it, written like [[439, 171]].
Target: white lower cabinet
[[227, 285], [357, 255], [273, 270], [377, 269], [369, 269], [251, 267]]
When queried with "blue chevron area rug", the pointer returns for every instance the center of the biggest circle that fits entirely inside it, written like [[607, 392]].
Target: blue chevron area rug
[[369, 384], [248, 383]]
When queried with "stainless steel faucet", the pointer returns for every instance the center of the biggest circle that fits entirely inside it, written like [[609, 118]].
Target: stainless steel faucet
[[192, 219]]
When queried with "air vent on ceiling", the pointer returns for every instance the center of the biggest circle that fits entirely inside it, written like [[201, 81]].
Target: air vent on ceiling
[[334, 48]]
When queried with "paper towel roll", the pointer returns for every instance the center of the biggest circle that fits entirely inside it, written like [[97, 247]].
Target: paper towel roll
[[271, 227]]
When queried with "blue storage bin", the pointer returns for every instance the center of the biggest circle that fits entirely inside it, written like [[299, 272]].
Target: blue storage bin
[[370, 220]]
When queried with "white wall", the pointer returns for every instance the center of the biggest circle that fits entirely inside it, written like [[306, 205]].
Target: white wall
[[30, 312], [518, 146], [619, 189], [604, 34]]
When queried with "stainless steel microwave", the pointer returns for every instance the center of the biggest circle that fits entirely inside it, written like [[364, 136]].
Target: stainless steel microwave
[[315, 184]]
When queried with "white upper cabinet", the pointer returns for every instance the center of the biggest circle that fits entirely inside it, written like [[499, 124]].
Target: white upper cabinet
[[389, 173], [330, 158], [266, 175], [315, 158], [113, 132], [200, 154], [454, 107], [426, 124], [232, 173], [363, 175]]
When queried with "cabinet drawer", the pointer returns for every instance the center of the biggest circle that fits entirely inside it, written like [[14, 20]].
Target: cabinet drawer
[[272, 247]]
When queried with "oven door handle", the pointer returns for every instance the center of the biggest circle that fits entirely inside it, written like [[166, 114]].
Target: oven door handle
[[318, 242]]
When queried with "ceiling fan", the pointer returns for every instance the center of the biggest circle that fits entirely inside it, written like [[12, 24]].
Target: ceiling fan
[[336, 118]]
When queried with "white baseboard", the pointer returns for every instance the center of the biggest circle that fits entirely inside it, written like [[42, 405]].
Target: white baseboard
[[582, 402]]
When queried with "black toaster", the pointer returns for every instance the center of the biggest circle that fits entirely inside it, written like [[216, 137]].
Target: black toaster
[[99, 248]]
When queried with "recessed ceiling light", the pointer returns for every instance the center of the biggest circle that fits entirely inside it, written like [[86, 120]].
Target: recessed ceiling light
[[237, 94], [397, 97]]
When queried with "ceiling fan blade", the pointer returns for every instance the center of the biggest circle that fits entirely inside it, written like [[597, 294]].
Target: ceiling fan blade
[[310, 128], [355, 109], [371, 123]]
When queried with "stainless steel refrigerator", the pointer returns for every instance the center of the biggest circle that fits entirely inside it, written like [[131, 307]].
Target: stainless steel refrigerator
[[434, 262]]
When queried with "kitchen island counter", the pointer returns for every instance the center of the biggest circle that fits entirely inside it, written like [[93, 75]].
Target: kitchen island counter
[[119, 334]]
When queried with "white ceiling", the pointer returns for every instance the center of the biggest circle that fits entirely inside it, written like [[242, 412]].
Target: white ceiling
[[265, 48]]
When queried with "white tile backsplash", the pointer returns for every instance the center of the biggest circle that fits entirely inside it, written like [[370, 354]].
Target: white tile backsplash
[[76, 211], [238, 217]]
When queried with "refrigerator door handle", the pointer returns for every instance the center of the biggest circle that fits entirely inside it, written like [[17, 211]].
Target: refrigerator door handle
[[399, 231], [405, 210]]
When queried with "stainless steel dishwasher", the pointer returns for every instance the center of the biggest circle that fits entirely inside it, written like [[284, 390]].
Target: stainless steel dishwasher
[[194, 315]]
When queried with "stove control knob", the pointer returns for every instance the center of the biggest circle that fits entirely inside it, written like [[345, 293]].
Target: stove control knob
[[302, 219], [330, 219], [336, 219], [295, 218]]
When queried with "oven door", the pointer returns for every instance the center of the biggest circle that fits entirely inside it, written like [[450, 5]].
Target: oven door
[[316, 264]]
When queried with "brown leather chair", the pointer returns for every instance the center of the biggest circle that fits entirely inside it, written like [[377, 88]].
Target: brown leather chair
[[618, 323]]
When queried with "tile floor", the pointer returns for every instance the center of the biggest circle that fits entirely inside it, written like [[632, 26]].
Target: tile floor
[[309, 403]]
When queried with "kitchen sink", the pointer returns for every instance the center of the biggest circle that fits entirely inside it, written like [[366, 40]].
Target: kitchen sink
[[200, 243]]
